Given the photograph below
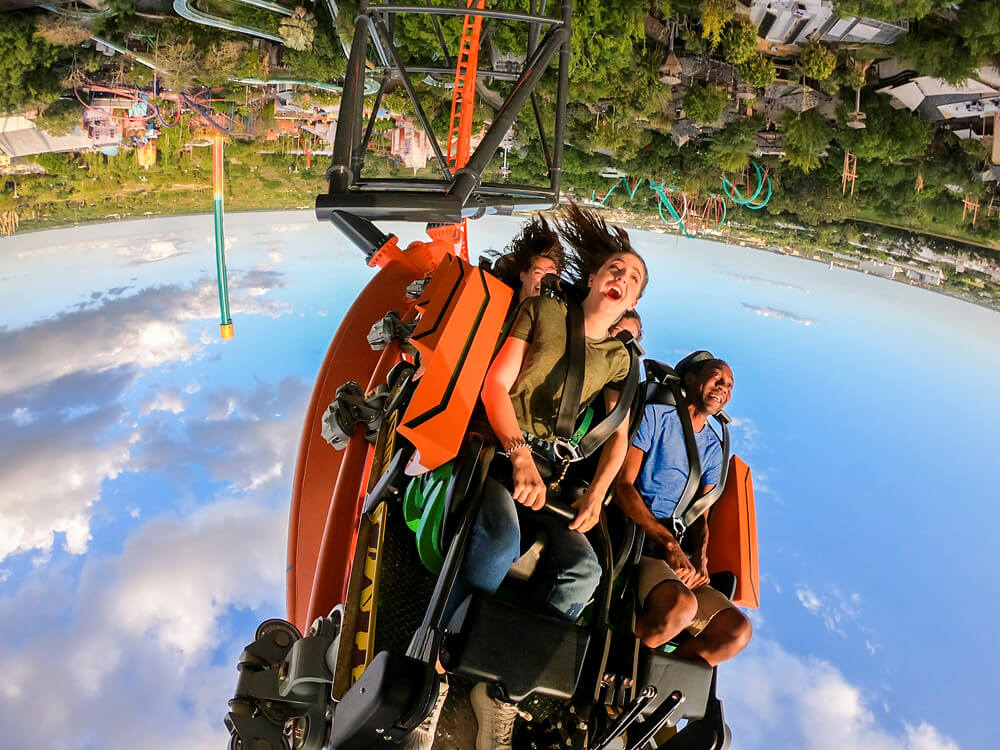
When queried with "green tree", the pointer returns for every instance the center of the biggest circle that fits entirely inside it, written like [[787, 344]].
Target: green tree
[[891, 135], [888, 10], [60, 31], [978, 23], [818, 61], [739, 42], [715, 14], [121, 8], [936, 51], [704, 102], [806, 137], [758, 71], [60, 117], [324, 62], [298, 30], [179, 63], [732, 146], [853, 77], [604, 40], [27, 73]]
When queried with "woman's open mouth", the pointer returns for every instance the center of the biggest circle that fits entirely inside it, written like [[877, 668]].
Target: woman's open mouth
[[613, 293]]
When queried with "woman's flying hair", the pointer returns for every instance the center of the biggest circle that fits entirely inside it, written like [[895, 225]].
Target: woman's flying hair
[[592, 241], [536, 239]]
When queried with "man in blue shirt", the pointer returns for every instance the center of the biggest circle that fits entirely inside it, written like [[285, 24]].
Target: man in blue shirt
[[673, 586]]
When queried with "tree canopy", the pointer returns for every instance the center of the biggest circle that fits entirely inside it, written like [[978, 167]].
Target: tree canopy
[[732, 146], [936, 52], [297, 31], [806, 137], [739, 42], [715, 14], [704, 102], [818, 61], [891, 135], [27, 76], [60, 117], [758, 71]]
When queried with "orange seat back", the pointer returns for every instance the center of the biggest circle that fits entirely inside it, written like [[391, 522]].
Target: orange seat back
[[463, 310], [732, 539]]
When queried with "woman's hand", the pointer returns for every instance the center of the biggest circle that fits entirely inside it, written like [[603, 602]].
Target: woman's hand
[[529, 489], [588, 507]]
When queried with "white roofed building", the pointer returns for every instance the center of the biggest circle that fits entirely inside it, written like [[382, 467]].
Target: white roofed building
[[797, 21]]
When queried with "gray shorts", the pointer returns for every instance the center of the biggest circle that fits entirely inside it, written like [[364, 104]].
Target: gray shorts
[[653, 571]]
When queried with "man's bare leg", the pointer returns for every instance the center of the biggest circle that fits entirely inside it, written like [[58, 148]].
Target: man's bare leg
[[669, 608], [726, 635]]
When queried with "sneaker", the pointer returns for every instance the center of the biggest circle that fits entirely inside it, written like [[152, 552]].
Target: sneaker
[[422, 738], [495, 717]]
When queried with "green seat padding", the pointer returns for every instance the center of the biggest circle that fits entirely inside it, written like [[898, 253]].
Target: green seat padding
[[423, 511]]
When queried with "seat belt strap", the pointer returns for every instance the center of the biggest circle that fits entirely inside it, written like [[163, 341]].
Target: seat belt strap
[[604, 429], [576, 363]]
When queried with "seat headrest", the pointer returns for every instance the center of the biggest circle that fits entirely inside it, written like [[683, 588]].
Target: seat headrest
[[658, 371], [691, 360]]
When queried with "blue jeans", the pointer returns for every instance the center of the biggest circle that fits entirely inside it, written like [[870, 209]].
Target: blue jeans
[[569, 571]]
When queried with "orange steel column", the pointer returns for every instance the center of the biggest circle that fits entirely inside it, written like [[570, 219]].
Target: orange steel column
[[464, 94]]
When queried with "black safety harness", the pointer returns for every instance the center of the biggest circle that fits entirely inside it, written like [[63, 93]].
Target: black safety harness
[[572, 443], [663, 385]]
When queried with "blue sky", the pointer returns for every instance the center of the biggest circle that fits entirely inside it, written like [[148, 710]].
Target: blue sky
[[145, 470]]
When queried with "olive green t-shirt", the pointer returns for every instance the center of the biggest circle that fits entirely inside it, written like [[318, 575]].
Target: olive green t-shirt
[[537, 390]]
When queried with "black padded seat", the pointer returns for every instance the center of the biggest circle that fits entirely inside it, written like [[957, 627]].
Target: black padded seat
[[667, 672], [523, 652]]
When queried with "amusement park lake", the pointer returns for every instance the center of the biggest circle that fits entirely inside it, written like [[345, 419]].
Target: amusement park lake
[[145, 469]]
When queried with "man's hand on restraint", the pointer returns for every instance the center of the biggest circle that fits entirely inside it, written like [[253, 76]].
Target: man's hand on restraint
[[681, 565], [700, 564]]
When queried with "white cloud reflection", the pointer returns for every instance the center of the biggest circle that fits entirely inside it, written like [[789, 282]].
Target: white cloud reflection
[[62, 383], [780, 700], [142, 330], [125, 656]]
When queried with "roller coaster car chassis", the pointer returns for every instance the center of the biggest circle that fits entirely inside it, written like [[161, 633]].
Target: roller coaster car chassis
[[586, 678]]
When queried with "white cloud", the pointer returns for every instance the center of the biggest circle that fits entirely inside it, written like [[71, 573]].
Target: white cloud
[[135, 640], [808, 598], [50, 476], [168, 400], [776, 699], [21, 416], [61, 382], [745, 434], [259, 428], [177, 577], [835, 609], [142, 330], [150, 252], [772, 312], [926, 737]]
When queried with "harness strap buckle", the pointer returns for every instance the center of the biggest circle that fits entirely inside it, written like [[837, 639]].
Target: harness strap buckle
[[678, 527]]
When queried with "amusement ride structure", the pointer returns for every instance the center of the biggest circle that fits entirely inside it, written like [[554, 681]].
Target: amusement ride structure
[[388, 451], [690, 214]]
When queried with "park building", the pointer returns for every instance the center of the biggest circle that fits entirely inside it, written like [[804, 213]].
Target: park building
[[797, 21]]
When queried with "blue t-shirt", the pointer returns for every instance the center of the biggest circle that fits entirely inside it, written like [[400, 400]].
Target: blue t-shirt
[[665, 470]]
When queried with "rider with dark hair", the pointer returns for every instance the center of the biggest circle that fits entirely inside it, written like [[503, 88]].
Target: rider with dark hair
[[673, 585], [531, 256], [630, 322]]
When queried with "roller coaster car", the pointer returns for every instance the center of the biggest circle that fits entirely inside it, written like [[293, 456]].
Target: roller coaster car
[[364, 674]]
